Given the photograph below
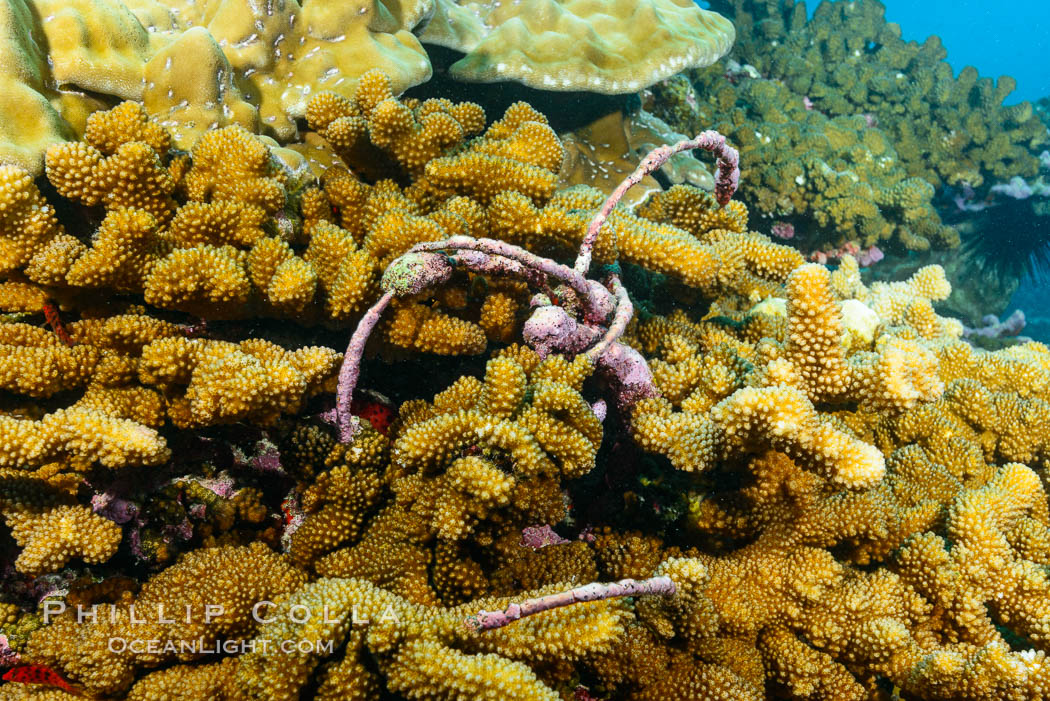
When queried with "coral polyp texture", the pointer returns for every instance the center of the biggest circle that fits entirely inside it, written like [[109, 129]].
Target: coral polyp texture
[[848, 60], [808, 485]]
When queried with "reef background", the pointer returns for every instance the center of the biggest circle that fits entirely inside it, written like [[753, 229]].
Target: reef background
[[758, 393]]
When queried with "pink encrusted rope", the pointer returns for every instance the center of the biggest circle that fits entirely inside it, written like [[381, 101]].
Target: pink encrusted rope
[[432, 263], [654, 586], [351, 367], [502, 249], [726, 181], [621, 317]]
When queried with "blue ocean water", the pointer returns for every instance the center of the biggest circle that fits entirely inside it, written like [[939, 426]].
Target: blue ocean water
[[1016, 43], [997, 38]]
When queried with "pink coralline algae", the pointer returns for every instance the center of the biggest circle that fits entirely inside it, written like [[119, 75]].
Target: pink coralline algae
[[782, 230], [582, 693], [116, 509], [1019, 189], [221, 486], [294, 516], [537, 537], [8, 657], [991, 327], [871, 256], [600, 409], [964, 200], [865, 256]]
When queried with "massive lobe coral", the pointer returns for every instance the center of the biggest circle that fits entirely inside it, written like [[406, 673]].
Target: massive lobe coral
[[571, 45], [197, 67]]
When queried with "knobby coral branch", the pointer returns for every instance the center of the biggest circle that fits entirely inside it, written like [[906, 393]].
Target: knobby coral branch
[[654, 586]]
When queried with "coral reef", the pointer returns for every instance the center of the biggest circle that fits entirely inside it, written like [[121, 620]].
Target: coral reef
[[197, 67], [848, 60], [836, 180], [811, 487]]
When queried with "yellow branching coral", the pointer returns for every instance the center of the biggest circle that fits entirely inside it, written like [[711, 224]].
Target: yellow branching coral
[[695, 211], [252, 177], [785, 419], [49, 539], [35, 363], [412, 137], [837, 179], [229, 579], [201, 278], [519, 153], [227, 382], [867, 487], [814, 335], [27, 221], [948, 127], [449, 456], [416, 647], [131, 176], [85, 435], [338, 501], [124, 333], [426, 329], [390, 555], [804, 362], [498, 316]]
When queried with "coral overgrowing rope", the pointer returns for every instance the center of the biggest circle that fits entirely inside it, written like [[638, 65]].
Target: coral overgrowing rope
[[550, 328]]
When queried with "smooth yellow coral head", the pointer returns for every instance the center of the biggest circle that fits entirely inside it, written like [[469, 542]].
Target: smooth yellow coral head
[[612, 47]]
